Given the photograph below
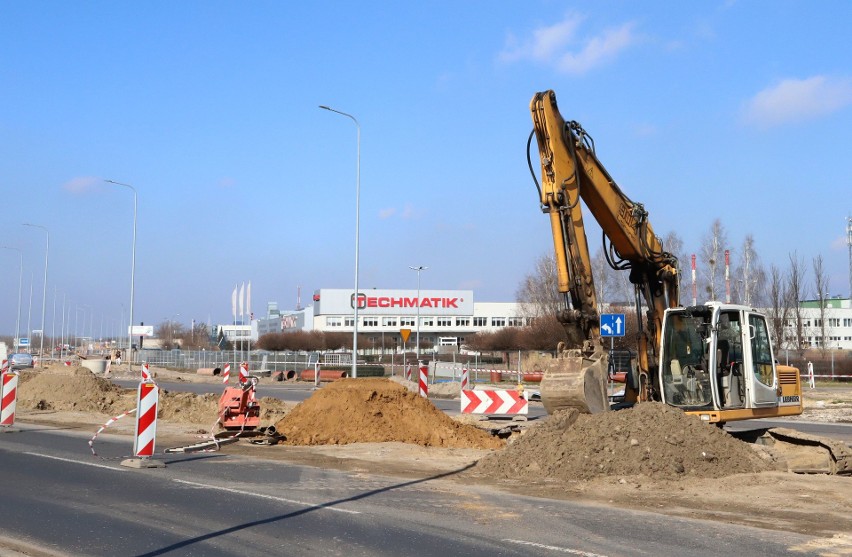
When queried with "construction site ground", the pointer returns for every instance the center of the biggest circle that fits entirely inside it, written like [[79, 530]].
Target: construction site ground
[[652, 457]]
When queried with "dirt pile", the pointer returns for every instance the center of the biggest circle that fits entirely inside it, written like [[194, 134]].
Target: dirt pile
[[651, 439], [77, 389], [72, 388], [376, 411]]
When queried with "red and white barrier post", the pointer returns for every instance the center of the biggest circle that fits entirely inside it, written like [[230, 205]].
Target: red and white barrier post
[[146, 372], [9, 394], [408, 371], [226, 373], [147, 399], [465, 378], [243, 373], [424, 379]]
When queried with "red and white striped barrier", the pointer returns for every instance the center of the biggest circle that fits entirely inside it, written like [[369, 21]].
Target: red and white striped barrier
[[67, 363], [146, 372], [465, 379], [424, 380], [226, 373], [408, 371], [493, 402], [106, 425], [4, 366], [9, 398], [146, 419], [243, 373]]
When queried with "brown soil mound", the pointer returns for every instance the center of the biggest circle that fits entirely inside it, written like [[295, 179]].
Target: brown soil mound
[[651, 439], [72, 388], [77, 389], [376, 411]]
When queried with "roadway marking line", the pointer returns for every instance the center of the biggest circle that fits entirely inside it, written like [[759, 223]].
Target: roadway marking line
[[556, 548], [78, 462], [262, 496]]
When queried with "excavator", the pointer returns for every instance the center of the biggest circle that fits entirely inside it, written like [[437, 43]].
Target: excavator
[[713, 360]]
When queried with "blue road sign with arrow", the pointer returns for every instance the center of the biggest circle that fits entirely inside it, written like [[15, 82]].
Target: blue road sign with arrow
[[612, 324]]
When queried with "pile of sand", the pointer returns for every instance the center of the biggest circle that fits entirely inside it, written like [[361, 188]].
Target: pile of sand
[[651, 439], [77, 389], [376, 411]]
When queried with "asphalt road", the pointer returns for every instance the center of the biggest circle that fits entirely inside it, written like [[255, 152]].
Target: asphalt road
[[58, 499]]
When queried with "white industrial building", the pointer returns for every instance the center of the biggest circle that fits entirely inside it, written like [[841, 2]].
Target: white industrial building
[[837, 329], [446, 317]]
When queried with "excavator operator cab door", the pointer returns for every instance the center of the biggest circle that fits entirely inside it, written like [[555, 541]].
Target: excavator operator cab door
[[760, 370]]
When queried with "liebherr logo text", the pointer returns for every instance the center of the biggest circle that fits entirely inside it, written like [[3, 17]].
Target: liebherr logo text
[[791, 398], [389, 302]]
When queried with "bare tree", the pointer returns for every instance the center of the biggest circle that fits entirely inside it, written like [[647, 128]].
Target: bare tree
[[779, 306], [712, 254], [821, 287], [795, 290], [539, 292], [673, 244], [750, 286]]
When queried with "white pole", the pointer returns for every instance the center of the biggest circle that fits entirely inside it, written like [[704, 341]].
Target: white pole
[[357, 234], [132, 274], [418, 269], [44, 287]]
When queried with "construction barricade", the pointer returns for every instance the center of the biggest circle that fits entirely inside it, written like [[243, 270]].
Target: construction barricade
[[145, 435], [493, 402], [9, 395], [423, 384]]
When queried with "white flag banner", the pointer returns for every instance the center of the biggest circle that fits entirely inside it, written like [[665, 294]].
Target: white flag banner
[[234, 302], [248, 301], [242, 299]]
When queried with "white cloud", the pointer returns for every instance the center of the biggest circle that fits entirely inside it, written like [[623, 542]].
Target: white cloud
[[552, 45], [387, 213], [795, 100], [598, 50], [81, 184]]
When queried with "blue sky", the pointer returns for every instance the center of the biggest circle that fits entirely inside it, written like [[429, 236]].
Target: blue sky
[[700, 110]]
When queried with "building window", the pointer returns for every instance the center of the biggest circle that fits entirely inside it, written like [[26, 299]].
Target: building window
[[847, 322], [333, 321], [406, 322], [371, 321], [445, 322], [349, 321], [462, 321], [388, 321], [480, 321], [516, 321], [498, 321], [427, 321]]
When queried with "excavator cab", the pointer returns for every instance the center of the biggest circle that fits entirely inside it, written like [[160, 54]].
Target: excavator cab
[[717, 361]]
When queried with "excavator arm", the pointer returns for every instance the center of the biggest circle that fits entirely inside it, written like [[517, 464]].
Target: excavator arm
[[570, 172]]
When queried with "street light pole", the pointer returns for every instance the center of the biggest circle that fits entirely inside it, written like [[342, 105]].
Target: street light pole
[[20, 285], [355, 298], [418, 269], [44, 288], [132, 274]]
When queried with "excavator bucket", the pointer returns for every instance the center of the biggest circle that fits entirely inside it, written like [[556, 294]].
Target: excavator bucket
[[572, 380]]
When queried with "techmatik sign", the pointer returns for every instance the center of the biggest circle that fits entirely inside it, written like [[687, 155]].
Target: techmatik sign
[[394, 302]]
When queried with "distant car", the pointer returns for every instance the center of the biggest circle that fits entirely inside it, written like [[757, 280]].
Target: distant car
[[20, 361]]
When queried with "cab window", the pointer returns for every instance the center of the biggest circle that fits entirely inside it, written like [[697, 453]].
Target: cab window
[[761, 350]]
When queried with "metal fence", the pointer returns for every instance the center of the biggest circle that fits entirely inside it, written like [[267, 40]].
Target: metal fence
[[194, 359]]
